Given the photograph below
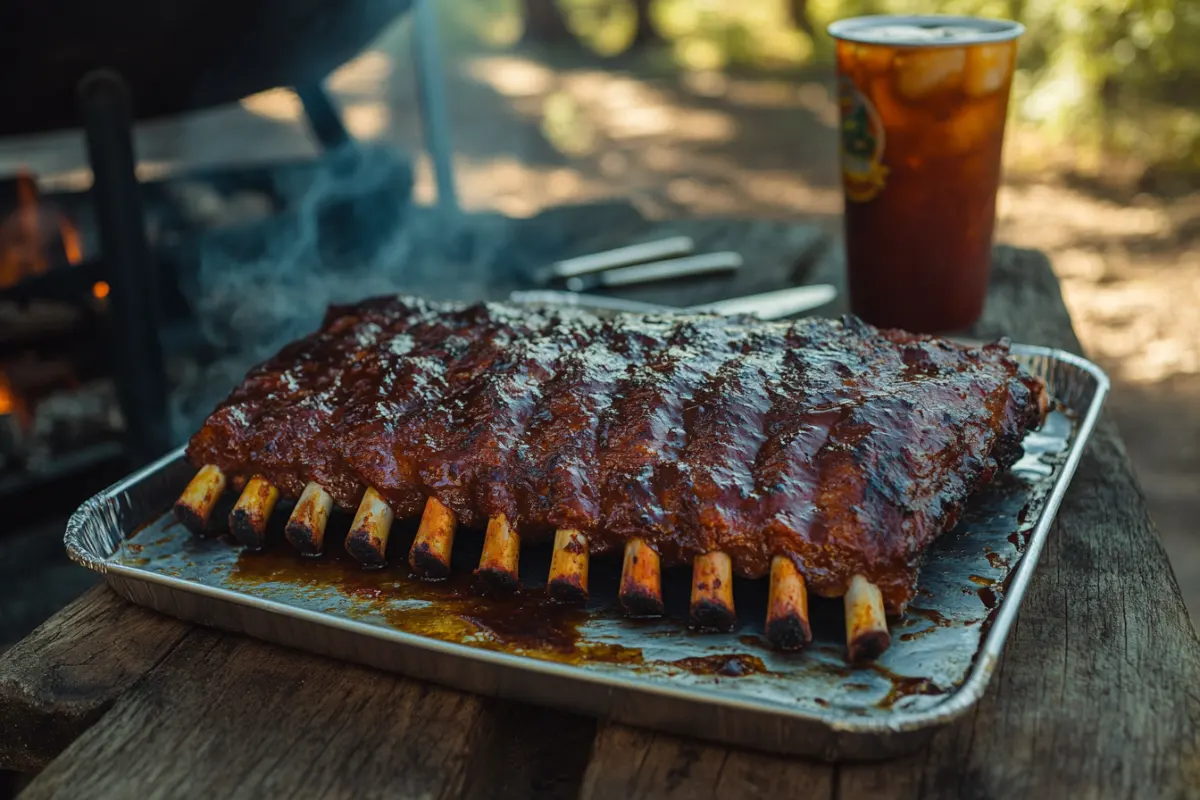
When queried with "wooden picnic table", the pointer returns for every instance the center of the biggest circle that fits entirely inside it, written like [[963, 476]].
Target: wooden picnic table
[[1097, 695]]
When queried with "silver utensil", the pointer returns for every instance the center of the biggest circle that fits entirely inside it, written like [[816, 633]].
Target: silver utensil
[[774, 305], [768, 305], [620, 257], [690, 266]]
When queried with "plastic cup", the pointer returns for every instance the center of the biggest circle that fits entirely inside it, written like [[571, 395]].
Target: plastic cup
[[923, 102]]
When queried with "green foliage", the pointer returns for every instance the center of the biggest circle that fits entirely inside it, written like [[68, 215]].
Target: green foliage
[[1104, 75]]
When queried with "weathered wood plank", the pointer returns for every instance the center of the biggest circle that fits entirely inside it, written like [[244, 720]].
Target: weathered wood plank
[[631, 763], [228, 716], [528, 753], [60, 679]]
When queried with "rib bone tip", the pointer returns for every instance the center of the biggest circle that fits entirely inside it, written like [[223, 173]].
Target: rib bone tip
[[868, 646], [247, 529], [305, 528], [498, 565], [641, 581], [368, 537], [195, 505], [567, 590], [497, 581], [641, 603], [568, 581], [426, 563], [366, 549], [434, 543], [712, 593], [712, 616], [302, 538], [867, 634], [787, 626]]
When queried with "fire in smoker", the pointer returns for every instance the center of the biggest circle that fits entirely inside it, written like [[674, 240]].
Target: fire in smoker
[[34, 235], [53, 400]]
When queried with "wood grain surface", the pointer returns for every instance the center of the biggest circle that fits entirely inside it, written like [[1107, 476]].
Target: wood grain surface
[[1097, 695], [63, 677]]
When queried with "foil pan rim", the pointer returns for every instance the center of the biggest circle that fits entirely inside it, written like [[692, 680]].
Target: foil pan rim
[[84, 548]]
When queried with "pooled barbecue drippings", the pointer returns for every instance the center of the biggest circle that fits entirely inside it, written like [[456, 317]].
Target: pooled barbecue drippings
[[844, 447]]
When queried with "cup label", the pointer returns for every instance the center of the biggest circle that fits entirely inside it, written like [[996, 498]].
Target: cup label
[[862, 140]]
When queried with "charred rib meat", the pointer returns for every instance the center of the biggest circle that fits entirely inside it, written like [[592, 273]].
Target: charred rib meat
[[847, 448]]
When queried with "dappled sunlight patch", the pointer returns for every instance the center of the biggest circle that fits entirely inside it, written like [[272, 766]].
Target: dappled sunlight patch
[[368, 121], [511, 187], [785, 191], [705, 83], [819, 101], [1145, 327], [1137, 312], [611, 91], [1052, 216], [368, 74], [700, 53], [763, 94], [281, 105], [511, 76], [567, 126], [685, 125]]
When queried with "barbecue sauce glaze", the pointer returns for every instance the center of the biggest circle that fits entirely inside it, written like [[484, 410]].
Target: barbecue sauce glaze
[[847, 448]]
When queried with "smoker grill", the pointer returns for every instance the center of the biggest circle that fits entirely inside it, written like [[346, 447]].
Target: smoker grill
[[102, 71]]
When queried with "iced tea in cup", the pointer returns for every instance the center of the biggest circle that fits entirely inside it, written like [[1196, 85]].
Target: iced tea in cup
[[923, 101]]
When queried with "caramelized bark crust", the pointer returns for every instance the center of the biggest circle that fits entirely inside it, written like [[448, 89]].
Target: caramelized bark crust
[[847, 448]]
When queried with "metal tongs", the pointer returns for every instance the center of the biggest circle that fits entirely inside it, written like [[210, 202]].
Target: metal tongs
[[659, 260]]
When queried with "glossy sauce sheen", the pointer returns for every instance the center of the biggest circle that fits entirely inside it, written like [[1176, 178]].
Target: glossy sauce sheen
[[846, 448]]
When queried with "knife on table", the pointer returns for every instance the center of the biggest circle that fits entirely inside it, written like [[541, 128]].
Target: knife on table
[[641, 253], [690, 266], [767, 306]]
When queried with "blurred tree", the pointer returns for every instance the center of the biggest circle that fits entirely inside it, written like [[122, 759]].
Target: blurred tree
[[798, 11], [1100, 76], [544, 22], [644, 31]]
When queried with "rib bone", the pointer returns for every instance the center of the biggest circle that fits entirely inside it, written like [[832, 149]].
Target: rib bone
[[249, 518], [195, 505], [430, 554], [712, 593], [866, 626], [787, 626], [501, 553], [569, 567], [368, 537], [641, 582], [306, 526]]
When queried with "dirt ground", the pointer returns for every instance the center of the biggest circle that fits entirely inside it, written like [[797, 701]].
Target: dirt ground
[[532, 130]]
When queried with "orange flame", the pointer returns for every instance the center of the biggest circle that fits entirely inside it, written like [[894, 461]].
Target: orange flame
[[70, 239], [7, 402], [100, 290], [27, 232]]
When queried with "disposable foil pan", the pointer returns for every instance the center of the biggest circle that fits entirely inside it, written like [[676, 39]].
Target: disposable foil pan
[[657, 674]]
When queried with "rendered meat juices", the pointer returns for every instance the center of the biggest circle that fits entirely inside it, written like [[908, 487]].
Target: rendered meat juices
[[923, 102]]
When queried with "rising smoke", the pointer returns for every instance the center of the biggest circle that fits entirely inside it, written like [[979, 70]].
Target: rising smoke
[[348, 231]]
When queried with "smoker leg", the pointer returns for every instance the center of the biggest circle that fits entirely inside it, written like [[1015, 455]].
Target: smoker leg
[[431, 93], [323, 116], [137, 357]]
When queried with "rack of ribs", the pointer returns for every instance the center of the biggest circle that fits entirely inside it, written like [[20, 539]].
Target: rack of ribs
[[824, 454]]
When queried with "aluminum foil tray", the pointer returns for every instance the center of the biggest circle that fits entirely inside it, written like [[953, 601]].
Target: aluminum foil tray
[[728, 688]]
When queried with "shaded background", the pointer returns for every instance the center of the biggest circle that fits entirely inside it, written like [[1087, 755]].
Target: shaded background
[[725, 107]]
